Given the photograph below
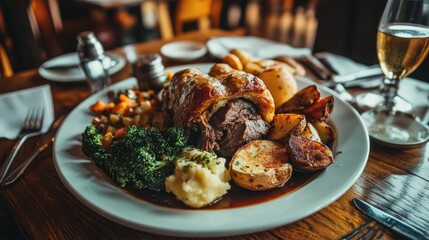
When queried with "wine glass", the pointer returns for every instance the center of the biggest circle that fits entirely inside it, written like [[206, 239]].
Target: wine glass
[[402, 45]]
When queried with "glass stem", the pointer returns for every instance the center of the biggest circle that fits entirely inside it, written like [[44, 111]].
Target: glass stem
[[389, 90]]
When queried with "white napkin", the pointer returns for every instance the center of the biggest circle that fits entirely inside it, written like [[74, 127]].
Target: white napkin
[[14, 106], [258, 47], [341, 64]]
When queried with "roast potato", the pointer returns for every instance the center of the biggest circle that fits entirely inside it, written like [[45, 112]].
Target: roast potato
[[233, 61], [320, 110], [326, 133], [260, 165], [280, 83], [308, 155], [244, 56], [297, 69], [311, 133], [285, 124], [303, 98], [253, 68]]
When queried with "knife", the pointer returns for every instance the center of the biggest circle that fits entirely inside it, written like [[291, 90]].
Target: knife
[[389, 221], [47, 139], [326, 74]]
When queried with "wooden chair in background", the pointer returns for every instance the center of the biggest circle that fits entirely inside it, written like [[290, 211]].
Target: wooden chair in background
[[6, 69], [193, 10], [206, 13], [5, 65]]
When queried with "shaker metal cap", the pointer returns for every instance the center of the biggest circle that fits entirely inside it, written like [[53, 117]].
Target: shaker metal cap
[[148, 60], [88, 46], [149, 64]]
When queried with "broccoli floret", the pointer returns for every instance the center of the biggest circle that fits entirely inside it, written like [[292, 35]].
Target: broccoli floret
[[143, 158], [92, 147]]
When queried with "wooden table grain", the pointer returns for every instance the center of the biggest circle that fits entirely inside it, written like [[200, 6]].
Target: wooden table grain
[[395, 180]]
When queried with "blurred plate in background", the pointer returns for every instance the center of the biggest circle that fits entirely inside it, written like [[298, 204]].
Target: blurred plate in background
[[72, 74], [184, 51]]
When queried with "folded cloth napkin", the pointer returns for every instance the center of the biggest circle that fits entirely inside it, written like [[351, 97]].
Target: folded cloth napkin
[[14, 106], [341, 64], [258, 47]]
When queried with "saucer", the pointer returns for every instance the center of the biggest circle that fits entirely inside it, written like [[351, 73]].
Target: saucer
[[184, 51], [397, 130], [73, 74]]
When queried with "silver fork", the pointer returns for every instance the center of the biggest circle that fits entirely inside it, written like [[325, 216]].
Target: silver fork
[[368, 230], [31, 127]]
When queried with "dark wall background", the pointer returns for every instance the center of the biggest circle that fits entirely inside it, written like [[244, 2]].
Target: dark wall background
[[349, 28]]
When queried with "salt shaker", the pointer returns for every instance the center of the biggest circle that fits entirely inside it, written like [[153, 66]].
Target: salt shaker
[[150, 72], [93, 61]]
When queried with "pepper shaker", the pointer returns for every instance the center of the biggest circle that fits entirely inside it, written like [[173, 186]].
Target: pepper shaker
[[150, 72], [93, 61]]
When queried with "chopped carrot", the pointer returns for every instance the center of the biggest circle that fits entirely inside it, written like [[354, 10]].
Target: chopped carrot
[[98, 107], [110, 106], [120, 133], [124, 98], [107, 140], [120, 108]]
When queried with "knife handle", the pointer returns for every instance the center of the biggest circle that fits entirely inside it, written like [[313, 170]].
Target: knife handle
[[316, 67], [327, 64]]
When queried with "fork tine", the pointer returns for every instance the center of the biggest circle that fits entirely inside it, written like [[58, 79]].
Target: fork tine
[[370, 234], [380, 235], [355, 232], [368, 230], [39, 118], [28, 117]]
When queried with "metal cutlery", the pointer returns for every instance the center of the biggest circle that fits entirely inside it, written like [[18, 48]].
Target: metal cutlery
[[388, 221], [31, 127], [323, 73], [327, 74], [45, 142], [368, 230]]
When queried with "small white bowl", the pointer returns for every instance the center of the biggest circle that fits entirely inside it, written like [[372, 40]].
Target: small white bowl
[[184, 51]]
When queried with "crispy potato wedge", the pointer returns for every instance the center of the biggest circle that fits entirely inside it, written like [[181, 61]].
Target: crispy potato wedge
[[253, 68], [260, 165], [297, 68], [303, 98], [320, 110], [308, 155], [311, 133], [233, 61], [244, 56], [285, 124], [326, 133], [281, 84]]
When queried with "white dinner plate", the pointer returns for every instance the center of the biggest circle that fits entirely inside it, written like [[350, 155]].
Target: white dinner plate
[[184, 51], [258, 47], [73, 74], [93, 187]]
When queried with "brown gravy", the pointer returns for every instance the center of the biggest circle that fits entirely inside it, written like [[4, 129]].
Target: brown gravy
[[236, 197]]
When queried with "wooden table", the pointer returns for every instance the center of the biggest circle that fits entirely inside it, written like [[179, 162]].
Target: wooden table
[[396, 180]]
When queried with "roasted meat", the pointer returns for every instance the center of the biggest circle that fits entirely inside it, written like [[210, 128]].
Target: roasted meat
[[225, 109], [235, 124]]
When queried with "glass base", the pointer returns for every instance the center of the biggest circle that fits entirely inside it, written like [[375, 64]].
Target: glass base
[[395, 129], [369, 101]]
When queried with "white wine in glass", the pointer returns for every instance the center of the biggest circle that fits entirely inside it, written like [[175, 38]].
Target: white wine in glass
[[402, 45], [402, 48]]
